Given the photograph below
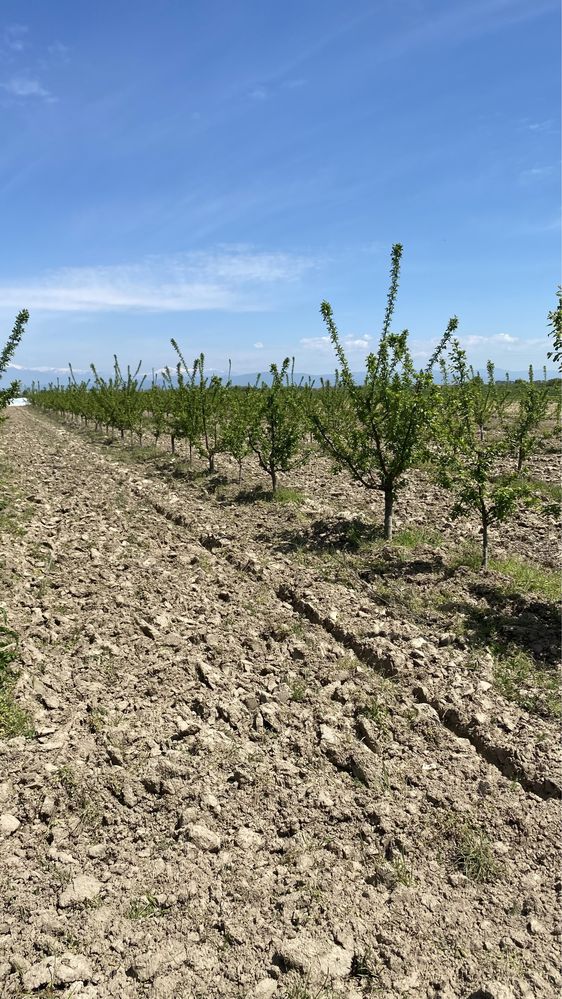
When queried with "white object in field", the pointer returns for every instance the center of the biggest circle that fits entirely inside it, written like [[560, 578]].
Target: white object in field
[[20, 401]]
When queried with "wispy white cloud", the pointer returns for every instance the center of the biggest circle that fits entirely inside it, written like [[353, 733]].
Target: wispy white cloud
[[58, 52], [540, 126], [324, 344], [228, 279], [504, 341], [295, 84], [259, 94], [258, 345], [13, 37], [536, 173], [27, 87], [43, 369], [474, 340]]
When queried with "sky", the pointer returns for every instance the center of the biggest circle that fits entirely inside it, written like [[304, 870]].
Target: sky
[[212, 170]]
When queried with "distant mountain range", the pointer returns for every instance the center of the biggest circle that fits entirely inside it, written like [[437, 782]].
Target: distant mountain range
[[28, 375]]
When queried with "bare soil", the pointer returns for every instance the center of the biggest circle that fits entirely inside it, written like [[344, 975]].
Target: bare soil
[[268, 755]]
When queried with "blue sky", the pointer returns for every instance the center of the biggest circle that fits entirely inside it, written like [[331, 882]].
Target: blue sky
[[212, 170]]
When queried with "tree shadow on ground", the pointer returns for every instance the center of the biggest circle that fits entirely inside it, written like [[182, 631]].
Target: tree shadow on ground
[[511, 619], [391, 564], [331, 534], [253, 494]]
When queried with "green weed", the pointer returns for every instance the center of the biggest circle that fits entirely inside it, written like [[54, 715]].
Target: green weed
[[145, 907], [14, 720], [472, 851], [299, 691], [284, 494], [520, 680], [413, 537], [525, 577], [376, 712]]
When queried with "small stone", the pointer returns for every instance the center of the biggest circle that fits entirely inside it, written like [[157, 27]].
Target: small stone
[[8, 824], [425, 712], [148, 630], [317, 959], [264, 989], [534, 927], [72, 968], [83, 889], [212, 802], [150, 963], [247, 839], [98, 851], [63, 970], [203, 837], [328, 735], [282, 696], [47, 807]]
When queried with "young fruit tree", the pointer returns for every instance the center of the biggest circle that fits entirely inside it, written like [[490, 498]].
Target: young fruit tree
[[468, 465], [384, 426], [9, 393], [532, 410], [555, 323], [239, 417], [277, 430]]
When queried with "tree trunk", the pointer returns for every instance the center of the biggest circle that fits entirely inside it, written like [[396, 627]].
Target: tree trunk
[[211, 464], [273, 474], [239, 471], [484, 541], [173, 442], [388, 510], [519, 459]]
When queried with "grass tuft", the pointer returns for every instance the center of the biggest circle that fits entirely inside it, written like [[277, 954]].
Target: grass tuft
[[472, 851], [413, 537], [145, 907], [14, 720], [284, 494], [519, 679], [525, 577]]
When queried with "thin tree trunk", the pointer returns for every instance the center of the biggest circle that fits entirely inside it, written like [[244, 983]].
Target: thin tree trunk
[[273, 475], [173, 441], [484, 541], [388, 511], [239, 471], [519, 459]]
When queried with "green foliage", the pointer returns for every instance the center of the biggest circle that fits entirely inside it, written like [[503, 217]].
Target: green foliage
[[122, 399], [519, 679], [472, 851], [183, 410], [381, 429], [277, 430], [9, 393], [468, 460], [532, 409], [239, 417], [13, 720], [555, 323]]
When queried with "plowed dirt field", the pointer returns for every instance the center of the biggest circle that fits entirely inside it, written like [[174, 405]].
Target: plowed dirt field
[[250, 755]]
